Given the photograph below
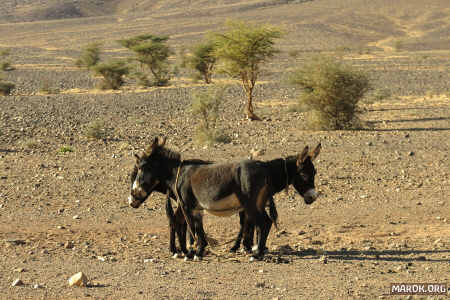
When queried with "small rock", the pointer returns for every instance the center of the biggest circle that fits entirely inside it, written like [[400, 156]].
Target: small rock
[[68, 245], [149, 260], [45, 251], [260, 284], [324, 259], [37, 286], [76, 217], [261, 271], [19, 270], [17, 282], [61, 227], [79, 279], [101, 258], [301, 232], [411, 153]]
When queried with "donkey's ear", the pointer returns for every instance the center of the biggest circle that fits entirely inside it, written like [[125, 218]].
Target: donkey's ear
[[162, 142], [302, 156], [152, 147], [315, 152]]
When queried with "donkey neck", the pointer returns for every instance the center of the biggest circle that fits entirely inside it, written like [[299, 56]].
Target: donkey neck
[[281, 172]]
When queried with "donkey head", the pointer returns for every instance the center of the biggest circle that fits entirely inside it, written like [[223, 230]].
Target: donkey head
[[303, 180], [146, 176]]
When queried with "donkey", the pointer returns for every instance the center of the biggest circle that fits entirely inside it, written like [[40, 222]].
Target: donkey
[[222, 189]]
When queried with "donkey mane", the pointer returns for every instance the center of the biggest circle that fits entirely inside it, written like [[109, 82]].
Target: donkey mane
[[166, 153]]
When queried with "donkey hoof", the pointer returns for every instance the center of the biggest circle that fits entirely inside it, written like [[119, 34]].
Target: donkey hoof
[[251, 259], [234, 249], [175, 255], [186, 258], [254, 248], [197, 258]]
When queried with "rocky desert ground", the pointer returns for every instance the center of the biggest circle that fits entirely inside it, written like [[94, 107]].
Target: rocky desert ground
[[383, 215]]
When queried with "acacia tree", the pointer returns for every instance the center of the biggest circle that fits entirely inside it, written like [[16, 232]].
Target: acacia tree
[[153, 52], [202, 60], [242, 49], [90, 56]]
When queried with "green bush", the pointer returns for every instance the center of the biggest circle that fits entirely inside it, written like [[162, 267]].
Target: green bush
[[206, 107], [65, 149], [6, 88], [112, 72], [95, 130], [5, 65], [331, 90]]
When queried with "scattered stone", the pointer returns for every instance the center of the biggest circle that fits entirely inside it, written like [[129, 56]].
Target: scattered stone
[[45, 251], [150, 260], [261, 271], [101, 258], [68, 245], [17, 282], [324, 259], [79, 279], [411, 153], [19, 270], [37, 286], [16, 242], [61, 227], [301, 232], [260, 284]]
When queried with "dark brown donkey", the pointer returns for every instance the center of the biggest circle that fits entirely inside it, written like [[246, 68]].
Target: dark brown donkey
[[222, 189]]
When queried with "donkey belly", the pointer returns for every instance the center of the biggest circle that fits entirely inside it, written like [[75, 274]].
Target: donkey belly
[[223, 207]]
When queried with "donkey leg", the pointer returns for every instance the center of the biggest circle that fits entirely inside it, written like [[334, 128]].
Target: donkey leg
[[249, 232], [172, 226], [181, 231], [201, 236], [264, 224], [237, 242]]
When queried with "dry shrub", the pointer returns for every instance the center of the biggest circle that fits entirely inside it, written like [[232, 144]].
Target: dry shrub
[[6, 88], [95, 130], [331, 91], [206, 107]]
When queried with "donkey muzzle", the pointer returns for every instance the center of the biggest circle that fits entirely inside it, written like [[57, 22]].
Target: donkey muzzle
[[133, 202], [310, 196]]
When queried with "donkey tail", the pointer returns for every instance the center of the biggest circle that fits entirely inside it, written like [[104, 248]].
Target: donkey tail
[[273, 213]]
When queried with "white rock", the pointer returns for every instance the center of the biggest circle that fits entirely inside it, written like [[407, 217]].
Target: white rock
[[17, 282], [79, 279]]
